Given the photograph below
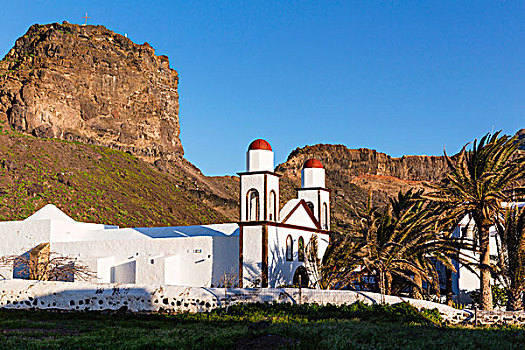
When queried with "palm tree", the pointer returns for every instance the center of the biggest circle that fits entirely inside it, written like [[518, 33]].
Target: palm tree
[[402, 240], [412, 241], [511, 262], [479, 181], [340, 262]]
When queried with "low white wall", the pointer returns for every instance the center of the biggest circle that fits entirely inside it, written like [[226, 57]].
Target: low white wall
[[23, 294], [139, 260]]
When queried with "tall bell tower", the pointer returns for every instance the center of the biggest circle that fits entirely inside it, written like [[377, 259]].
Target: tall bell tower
[[259, 184], [259, 208]]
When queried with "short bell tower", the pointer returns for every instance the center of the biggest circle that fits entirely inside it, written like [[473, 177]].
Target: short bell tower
[[314, 192]]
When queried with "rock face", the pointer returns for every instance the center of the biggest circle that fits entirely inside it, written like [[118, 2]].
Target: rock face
[[352, 173], [343, 163], [88, 84]]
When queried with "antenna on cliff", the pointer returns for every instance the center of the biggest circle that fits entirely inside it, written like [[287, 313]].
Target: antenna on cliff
[[86, 18]]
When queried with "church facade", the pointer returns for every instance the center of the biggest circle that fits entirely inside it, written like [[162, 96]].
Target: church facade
[[268, 247]]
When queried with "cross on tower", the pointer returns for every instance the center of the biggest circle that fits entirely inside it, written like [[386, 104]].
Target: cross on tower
[[86, 18]]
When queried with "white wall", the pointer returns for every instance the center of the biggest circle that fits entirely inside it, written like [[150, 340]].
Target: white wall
[[175, 273], [317, 197], [21, 294], [248, 182], [281, 271], [124, 272], [150, 268], [17, 238], [256, 181], [226, 260], [104, 269], [300, 217], [64, 231], [259, 160], [312, 177], [252, 255], [468, 281], [325, 198], [273, 184], [194, 255]]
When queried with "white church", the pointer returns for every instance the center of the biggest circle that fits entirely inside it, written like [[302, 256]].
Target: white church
[[268, 247]]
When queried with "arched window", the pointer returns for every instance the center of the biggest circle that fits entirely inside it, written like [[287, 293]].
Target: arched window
[[311, 206], [300, 249], [289, 248], [252, 206], [325, 216], [272, 206]]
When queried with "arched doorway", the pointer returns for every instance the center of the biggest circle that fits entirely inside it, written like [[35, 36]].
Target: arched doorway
[[300, 277]]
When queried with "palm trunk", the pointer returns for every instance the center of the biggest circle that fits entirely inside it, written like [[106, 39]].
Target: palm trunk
[[514, 299], [448, 287], [416, 291], [382, 286], [388, 283], [485, 290]]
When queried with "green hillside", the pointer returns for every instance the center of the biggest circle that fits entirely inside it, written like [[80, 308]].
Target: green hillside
[[93, 184]]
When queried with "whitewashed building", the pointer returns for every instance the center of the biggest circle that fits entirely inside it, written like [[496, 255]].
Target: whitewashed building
[[266, 248], [467, 280]]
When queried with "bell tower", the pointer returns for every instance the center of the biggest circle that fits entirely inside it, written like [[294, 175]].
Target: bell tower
[[259, 184], [259, 208], [314, 192]]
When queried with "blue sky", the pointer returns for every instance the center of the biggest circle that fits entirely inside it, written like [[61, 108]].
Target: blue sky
[[402, 77]]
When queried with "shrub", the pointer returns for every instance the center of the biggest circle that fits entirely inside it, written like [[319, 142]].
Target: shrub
[[278, 312]]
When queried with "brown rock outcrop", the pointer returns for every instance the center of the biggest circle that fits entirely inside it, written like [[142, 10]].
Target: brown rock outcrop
[[89, 84], [352, 173], [344, 163]]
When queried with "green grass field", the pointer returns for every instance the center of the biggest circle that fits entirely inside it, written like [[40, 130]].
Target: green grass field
[[253, 326]]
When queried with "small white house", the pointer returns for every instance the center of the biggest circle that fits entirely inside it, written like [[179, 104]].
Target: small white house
[[266, 248]]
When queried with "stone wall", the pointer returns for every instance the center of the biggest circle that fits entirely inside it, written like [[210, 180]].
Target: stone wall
[[498, 318], [23, 294]]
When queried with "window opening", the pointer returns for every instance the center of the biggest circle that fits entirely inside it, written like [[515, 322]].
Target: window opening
[[289, 248]]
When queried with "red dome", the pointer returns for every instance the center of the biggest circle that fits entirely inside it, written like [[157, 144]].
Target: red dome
[[312, 163], [260, 144]]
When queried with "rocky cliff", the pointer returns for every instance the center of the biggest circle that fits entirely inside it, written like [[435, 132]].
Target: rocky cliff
[[356, 162], [365, 169], [352, 173], [89, 84]]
